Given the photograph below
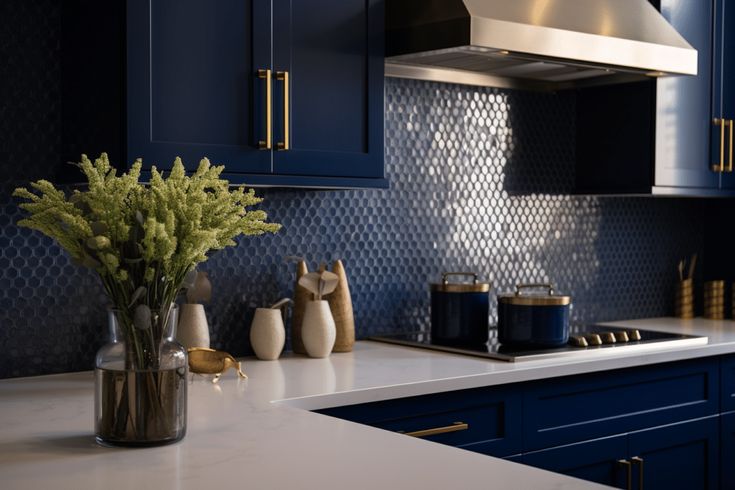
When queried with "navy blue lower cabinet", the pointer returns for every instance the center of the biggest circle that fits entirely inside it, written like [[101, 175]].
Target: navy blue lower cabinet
[[678, 456], [727, 451], [600, 460], [483, 420], [583, 407], [727, 383]]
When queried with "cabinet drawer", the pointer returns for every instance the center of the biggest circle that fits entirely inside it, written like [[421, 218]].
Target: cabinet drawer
[[573, 409], [727, 383], [492, 416]]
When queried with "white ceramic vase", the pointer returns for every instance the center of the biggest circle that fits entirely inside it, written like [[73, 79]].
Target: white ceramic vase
[[267, 333], [193, 329], [318, 331]]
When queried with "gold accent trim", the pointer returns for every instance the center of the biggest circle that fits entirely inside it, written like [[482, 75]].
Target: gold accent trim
[[480, 287], [209, 361], [721, 123], [535, 300], [286, 143], [629, 473], [639, 460], [731, 123], [455, 427], [446, 287], [267, 143]]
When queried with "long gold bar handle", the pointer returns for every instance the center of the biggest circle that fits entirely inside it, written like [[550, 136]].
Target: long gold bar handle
[[268, 143], [286, 143], [639, 461], [731, 123], [629, 473], [721, 123], [455, 427]]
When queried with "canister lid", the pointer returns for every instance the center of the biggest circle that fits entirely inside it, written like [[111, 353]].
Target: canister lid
[[547, 298], [461, 287]]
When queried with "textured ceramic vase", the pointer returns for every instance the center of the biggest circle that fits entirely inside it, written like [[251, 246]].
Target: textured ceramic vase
[[267, 333], [301, 297], [318, 330], [340, 303], [193, 329]]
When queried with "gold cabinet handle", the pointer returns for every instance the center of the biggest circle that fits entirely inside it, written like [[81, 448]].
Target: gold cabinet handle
[[455, 427], [286, 143], [629, 473], [267, 144], [731, 123], [722, 123], [639, 461]]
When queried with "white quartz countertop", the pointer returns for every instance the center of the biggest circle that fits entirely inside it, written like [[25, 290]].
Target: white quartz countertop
[[258, 433]]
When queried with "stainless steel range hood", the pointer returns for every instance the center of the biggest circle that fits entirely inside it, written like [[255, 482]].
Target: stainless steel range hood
[[536, 44]]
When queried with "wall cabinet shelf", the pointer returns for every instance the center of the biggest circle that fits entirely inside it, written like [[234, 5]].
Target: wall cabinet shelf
[[666, 136]]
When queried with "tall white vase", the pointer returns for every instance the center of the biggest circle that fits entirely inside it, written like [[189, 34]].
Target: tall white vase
[[193, 329], [318, 331], [267, 333]]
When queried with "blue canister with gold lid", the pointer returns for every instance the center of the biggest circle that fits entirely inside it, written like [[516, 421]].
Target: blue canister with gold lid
[[533, 319], [460, 310]]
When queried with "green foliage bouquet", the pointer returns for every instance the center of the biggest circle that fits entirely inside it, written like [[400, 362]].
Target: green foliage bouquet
[[143, 240]]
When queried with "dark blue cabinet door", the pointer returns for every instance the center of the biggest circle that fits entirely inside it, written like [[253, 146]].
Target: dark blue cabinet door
[[727, 451], [678, 456], [723, 97], [683, 104], [597, 460], [193, 89], [333, 53]]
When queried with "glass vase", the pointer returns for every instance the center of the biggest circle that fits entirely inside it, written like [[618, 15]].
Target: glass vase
[[141, 382]]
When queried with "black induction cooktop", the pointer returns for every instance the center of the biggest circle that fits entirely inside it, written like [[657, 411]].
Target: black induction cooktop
[[601, 343]]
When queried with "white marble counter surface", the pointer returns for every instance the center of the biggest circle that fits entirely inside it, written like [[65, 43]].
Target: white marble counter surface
[[256, 433]]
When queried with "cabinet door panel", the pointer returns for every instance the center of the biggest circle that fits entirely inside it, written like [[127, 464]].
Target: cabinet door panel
[[683, 455], [193, 89], [683, 104], [333, 52], [727, 451], [724, 93], [727, 383], [595, 460]]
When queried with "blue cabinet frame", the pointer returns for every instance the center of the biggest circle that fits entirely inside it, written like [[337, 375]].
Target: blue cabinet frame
[[197, 86]]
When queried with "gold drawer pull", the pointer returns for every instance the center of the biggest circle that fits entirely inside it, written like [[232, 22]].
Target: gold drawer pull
[[731, 123], [639, 461], [286, 143], [266, 144], [455, 427], [629, 473]]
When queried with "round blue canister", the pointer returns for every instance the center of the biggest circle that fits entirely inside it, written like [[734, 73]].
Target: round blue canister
[[459, 311], [533, 320]]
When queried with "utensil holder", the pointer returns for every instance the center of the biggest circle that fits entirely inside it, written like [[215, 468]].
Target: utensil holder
[[684, 299], [714, 300]]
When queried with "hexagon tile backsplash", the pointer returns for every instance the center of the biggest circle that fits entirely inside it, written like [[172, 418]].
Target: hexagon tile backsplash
[[477, 177]]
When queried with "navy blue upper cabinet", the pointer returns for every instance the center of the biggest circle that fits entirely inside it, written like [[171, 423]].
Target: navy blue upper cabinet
[[723, 97], [664, 136], [683, 107], [281, 92], [333, 53]]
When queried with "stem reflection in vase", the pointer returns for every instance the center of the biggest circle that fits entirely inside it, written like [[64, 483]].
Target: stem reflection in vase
[[140, 400]]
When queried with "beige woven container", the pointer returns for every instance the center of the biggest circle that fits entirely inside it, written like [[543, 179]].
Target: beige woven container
[[684, 299]]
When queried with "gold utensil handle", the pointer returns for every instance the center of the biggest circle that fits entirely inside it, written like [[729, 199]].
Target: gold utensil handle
[[267, 144], [639, 461], [286, 143], [628, 472], [455, 427]]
